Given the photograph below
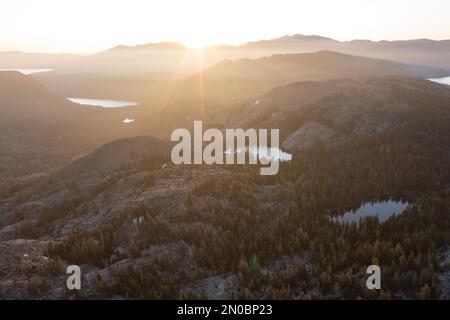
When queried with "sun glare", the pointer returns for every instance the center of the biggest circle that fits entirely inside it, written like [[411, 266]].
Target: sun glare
[[203, 23], [197, 42]]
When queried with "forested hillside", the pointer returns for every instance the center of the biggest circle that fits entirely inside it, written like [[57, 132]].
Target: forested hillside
[[143, 228]]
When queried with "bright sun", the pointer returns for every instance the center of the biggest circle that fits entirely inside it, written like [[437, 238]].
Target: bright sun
[[197, 42], [203, 23]]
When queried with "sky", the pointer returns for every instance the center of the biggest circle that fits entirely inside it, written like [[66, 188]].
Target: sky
[[86, 26]]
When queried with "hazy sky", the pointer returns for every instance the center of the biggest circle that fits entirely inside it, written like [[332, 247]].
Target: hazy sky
[[92, 25]]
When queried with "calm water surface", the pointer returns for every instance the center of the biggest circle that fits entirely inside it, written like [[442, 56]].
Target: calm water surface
[[28, 71], [103, 102], [445, 80], [383, 209]]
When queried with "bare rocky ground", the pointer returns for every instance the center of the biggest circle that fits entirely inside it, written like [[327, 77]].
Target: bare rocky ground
[[27, 271]]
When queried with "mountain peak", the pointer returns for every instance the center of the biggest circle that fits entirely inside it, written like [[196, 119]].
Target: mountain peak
[[15, 80], [165, 45], [299, 36]]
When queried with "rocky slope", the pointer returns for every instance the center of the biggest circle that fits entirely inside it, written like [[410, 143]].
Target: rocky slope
[[357, 107]]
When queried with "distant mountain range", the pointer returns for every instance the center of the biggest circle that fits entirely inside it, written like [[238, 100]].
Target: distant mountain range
[[419, 51], [171, 59]]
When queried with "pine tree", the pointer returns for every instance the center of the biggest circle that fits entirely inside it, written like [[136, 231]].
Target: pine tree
[[255, 269]]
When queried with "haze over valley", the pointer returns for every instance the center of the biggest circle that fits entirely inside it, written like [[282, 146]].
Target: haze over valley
[[87, 176]]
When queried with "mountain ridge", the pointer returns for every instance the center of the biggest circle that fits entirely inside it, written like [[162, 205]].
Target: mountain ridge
[[136, 59]]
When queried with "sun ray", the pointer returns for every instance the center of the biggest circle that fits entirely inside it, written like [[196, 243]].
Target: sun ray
[[200, 84]]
